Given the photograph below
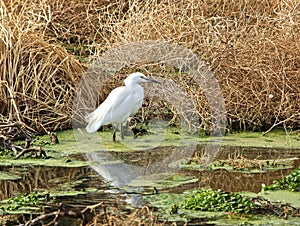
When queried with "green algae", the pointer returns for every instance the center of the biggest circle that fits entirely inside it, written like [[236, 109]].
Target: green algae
[[168, 136], [162, 180], [277, 138], [9, 176], [254, 166], [62, 162], [283, 196], [76, 141], [73, 142]]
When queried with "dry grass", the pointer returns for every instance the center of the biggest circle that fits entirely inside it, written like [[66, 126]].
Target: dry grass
[[37, 78], [251, 46]]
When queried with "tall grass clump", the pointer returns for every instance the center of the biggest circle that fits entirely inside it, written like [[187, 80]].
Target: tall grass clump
[[37, 78]]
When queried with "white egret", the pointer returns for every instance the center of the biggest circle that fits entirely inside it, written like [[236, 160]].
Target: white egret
[[121, 103]]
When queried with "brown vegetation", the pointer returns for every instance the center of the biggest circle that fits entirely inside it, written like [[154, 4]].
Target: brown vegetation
[[251, 46]]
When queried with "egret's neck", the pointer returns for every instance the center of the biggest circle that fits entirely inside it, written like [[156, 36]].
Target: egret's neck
[[135, 87]]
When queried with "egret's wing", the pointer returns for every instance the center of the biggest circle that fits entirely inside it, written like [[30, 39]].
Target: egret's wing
[[118, 105], [103, 108], [115, 108]]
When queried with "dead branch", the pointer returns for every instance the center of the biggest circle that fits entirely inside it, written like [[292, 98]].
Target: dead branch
[[64, 210], [11, 131], [38, 152]]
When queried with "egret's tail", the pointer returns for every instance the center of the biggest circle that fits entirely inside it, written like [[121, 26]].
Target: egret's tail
[[93, 122]]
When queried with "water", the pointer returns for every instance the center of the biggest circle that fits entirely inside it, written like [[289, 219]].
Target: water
[[26, 178]]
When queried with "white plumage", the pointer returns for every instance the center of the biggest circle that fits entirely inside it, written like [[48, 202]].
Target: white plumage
[[122, 102]]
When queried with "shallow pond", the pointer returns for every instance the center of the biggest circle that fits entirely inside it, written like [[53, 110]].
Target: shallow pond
[[70, 179]]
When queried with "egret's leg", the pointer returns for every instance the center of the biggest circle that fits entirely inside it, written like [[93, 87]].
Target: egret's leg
[[114, 136], [126, 130], [115, 131], [122, 131]]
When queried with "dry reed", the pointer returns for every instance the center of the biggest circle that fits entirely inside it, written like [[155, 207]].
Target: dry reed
[[37, 78], [251, 46]]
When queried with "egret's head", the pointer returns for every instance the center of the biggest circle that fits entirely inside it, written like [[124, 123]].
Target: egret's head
[[136, 78]]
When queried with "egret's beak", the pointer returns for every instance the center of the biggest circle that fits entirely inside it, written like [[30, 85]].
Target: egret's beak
[[151, 80]]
